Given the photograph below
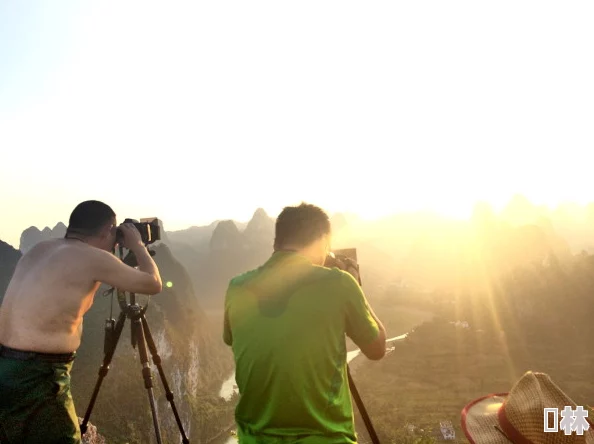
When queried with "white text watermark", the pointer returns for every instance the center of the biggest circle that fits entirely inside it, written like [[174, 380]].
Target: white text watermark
[[571, 420]]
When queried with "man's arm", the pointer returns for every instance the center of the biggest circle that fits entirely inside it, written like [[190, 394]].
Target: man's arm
[[362, 324], [111, 270], [377, 349]]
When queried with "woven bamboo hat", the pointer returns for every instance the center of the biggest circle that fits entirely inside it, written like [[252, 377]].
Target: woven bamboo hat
[[518, 416]]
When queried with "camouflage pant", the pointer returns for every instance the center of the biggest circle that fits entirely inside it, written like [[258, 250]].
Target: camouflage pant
[[36, 405]]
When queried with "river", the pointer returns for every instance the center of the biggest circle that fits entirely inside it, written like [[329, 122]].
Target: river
[[228, 387]]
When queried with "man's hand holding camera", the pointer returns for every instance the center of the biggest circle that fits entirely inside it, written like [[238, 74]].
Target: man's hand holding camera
[[349, 265], [131, 236], [139, 273]]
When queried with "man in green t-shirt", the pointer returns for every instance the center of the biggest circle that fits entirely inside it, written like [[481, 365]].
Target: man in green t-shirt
[[286, 322]]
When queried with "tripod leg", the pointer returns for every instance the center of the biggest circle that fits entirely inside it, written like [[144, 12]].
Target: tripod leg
[[109, 351], [146, 373], [157, 360], [362, 409]]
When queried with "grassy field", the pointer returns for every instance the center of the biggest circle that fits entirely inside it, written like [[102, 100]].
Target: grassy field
[[431, 376]]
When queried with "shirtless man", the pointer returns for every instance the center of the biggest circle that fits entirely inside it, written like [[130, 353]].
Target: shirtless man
[[41, 316]]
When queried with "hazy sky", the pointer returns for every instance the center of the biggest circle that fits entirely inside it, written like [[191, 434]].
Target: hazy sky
[[193, 111]]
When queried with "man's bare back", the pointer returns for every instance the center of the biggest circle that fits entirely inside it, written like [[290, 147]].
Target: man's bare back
[[54, 284], [52, 288]]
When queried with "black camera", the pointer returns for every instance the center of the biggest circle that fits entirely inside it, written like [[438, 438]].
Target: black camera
[[149, 229], [336, 258]]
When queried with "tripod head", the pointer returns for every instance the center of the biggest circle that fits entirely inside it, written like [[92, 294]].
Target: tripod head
[[130, 260]]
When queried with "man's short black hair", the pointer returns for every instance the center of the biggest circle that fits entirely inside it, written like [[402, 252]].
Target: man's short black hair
[[299, 226], [89, 217]]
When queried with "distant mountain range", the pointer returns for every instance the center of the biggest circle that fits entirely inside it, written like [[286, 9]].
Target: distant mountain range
[[33, 235], [418, 249]]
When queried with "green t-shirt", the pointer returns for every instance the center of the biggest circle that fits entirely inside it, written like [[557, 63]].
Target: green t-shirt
[[286, 322]]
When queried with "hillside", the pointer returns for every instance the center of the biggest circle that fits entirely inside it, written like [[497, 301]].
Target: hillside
[[539, 320], [8, 261]]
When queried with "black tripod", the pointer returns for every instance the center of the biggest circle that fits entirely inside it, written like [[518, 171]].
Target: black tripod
[[362, 409], [355, 392], [141, 336]]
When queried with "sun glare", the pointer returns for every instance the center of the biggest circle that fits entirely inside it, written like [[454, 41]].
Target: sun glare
[[448, 209]]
